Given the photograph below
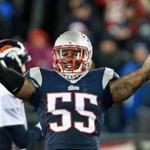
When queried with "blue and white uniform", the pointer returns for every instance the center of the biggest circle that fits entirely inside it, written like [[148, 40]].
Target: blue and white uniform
[[71, 114]]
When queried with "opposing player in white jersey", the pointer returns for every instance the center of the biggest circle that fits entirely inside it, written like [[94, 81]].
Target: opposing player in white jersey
[[13, 124]]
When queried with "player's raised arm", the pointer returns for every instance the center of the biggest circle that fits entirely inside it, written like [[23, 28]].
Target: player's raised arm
[[16, 83], [124, 87]]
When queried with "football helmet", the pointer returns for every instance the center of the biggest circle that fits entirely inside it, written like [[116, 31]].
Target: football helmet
[[13, 54], [72, 55]]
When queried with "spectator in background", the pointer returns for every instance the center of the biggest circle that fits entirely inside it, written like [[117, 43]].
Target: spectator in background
[[125, 30], [113, 11], [122, 19], [82, 11], [39, 48], [78, 26], [113, 8], [140, 52], [108, 54]]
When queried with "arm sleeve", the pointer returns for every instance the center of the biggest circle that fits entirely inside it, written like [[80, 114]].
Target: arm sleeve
[[22, 137], [108, 76], [11, 79]]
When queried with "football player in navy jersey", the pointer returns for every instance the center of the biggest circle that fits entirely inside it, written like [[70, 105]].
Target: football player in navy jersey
[[71, 99], [13, 123]]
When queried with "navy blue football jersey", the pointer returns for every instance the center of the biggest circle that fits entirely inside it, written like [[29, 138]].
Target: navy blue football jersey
[[71, 114]]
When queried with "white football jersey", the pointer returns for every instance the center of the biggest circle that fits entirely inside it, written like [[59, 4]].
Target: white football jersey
[[11, 109]]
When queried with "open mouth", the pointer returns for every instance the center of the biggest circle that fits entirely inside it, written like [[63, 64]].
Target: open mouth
[[68, 67]]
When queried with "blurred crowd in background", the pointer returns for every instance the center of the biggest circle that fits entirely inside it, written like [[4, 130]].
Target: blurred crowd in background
[[118, 29]]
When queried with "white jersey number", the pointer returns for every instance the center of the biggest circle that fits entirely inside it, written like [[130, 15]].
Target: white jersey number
[[66, 123]]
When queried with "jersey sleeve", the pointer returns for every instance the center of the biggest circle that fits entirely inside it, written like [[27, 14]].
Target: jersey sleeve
[[35, 75], [108, 75], [11, 109]]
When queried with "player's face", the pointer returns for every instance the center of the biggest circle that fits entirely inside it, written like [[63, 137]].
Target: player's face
[[70, 59]]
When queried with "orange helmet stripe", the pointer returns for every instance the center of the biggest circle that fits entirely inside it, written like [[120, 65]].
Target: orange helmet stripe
[[5, 47]]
